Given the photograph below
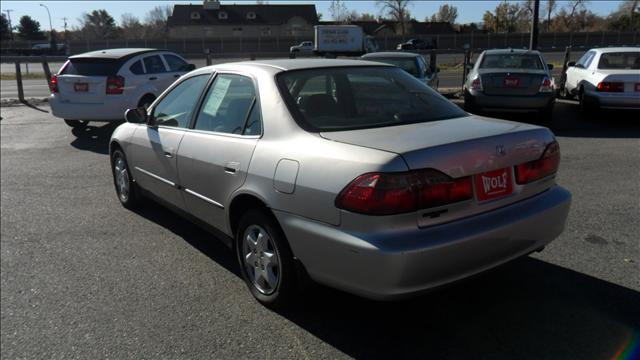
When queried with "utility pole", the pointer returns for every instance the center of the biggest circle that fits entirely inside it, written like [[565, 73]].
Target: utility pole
[[8, 11], [533, 42]]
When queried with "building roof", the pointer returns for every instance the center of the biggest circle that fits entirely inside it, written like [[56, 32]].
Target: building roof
[[113, 53], [237, 14]]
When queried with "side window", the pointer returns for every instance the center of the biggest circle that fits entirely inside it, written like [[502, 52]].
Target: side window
[[226, 106], [136, 68], [585, 59], [423, 65], [254, 125], [154, 64], [589, 59], [176, 107], [175, 63]]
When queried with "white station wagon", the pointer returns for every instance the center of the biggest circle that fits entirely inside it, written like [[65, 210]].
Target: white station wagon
[[605, 78], [101, 85]]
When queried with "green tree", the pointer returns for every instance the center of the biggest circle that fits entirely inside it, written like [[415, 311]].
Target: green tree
[[29, 29], [5, 31], [98, 24], [445, 13]]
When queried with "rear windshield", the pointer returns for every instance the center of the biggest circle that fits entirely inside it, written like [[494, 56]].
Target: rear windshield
[[620, 60], [511, 61], [344, 98], [407, 64], [91, 67]]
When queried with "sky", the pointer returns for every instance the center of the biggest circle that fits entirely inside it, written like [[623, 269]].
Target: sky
[[468, 11]]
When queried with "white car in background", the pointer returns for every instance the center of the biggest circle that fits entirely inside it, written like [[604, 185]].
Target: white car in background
[[305, 47], [101, 85], [605, 78]]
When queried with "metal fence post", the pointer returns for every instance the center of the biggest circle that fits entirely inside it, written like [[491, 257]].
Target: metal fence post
[[19, 82], [45, 68]]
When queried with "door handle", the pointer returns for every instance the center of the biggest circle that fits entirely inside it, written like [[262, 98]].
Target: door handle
[[168, 152], [231, 167], [153, 78]]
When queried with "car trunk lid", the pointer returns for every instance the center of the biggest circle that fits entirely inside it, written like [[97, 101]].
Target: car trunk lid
[[630, 78], [511, 82], [84, 80]]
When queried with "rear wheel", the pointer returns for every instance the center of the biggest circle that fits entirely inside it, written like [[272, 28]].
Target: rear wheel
[[76, 123], [469, 106], [265, 259]]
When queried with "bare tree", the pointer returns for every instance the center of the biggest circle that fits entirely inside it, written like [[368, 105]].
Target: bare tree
[[397, 10], [551, 6], [338, 11], [131, 26], [576, 6], [156, 22], [445, 13]]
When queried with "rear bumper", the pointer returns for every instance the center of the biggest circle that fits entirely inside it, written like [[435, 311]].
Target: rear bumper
[[111, 109], [511, 103], [614, 100], [396, 264]]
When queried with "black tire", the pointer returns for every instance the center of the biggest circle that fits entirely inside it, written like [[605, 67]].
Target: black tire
[[76, 123], [587, 107], [146, 101], [131, 198], [283, 292], [469, 106]]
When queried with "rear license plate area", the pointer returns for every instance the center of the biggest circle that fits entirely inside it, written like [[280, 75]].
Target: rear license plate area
[[511, 82], [493, 184], [81, 87]]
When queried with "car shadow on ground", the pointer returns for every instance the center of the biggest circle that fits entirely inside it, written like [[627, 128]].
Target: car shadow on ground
[[527, 309], [94, 137]]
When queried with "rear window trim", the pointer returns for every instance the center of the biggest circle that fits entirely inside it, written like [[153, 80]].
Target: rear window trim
[[298, 117]]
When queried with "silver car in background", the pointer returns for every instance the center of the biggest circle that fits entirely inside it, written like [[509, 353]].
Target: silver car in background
[[414, 64], [351, 172], [511, 80]]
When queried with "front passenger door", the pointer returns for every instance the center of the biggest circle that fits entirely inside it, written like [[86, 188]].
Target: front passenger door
[[157, 73], [153, 148]]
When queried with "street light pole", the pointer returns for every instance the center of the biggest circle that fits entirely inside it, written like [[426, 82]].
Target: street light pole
[[50, 24], [533, 41]]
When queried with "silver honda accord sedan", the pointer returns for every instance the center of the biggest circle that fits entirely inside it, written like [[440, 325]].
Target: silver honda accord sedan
[[351, 173]]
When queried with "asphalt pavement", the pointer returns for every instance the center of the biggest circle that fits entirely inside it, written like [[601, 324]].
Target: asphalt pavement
[[82, 277]]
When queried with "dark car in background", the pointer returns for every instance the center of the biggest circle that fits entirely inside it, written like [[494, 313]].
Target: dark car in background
[[414, 64], [512, 80], [415, 44]]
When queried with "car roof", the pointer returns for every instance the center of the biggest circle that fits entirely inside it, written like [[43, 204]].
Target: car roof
[[390, 54], [116, 54], [512, 51], [617, 49], [300, 64]]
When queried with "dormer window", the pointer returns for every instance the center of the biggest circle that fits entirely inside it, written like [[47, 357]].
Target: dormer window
[[251, 15], [195, 15], [222, 15]]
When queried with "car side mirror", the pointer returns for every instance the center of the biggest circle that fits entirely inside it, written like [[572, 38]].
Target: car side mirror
[[571, 64], [189, 67], [136, 116], [550, 67]]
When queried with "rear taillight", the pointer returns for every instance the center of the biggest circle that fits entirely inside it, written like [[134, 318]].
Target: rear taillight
[[546, 86], [53, 84], [476, 83], [610, 86], [396, 193], [115, 85], [543, 167]]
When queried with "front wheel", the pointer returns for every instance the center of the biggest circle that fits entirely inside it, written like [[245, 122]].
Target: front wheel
[[76, 123], [126, 188], [266, 261]]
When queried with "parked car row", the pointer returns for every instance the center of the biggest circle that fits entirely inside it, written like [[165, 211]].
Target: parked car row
[[356, 174]]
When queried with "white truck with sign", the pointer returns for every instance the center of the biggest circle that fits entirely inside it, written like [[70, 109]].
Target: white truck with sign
[[346, 40]]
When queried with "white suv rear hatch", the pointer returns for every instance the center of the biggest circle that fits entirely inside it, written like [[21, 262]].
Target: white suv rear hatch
[[84, 80]]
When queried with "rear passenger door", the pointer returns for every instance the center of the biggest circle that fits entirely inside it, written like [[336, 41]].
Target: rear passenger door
[[157, 72], [214, 155]]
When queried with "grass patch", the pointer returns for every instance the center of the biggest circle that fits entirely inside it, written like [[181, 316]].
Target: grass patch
[[25, 76]]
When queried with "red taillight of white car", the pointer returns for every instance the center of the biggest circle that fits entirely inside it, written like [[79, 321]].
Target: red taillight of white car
[[476, 83], [607, 86], [115, 85], [546, 86], [53, 84], [396, 193], [540, 168]]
